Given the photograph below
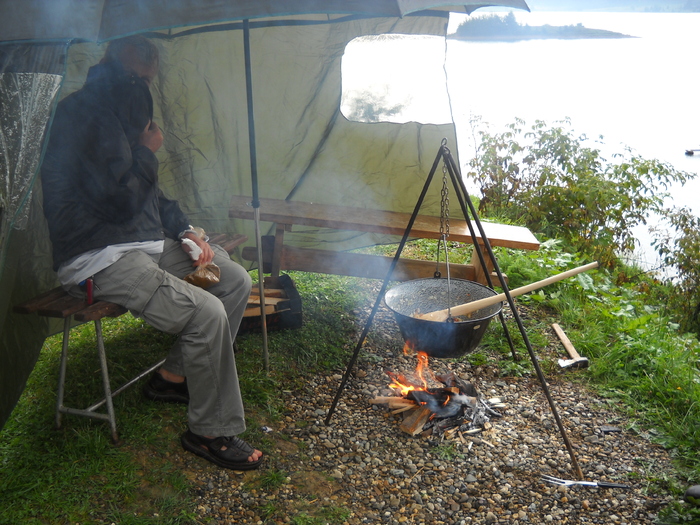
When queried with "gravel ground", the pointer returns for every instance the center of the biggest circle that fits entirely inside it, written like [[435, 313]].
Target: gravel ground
[[363, 469]]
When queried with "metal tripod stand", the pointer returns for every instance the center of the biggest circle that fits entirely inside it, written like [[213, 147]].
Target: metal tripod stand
[[467, 207]]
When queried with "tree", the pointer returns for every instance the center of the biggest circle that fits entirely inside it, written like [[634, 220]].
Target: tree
[[370, 107]]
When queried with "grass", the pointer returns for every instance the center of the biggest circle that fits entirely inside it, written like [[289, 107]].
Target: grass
[[76, 475], [639, 361]]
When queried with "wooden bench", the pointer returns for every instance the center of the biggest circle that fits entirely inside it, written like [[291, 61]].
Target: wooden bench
[[57, 303], [277, 256]]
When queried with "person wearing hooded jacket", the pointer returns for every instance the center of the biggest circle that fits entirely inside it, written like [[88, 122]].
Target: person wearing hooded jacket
[[109, 221]]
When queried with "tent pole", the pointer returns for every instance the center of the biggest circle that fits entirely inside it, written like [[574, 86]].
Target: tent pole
[[254, 184]]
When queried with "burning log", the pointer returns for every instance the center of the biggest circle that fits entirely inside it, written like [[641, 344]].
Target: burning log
[[393, 401], [413, 424], [446, 411]]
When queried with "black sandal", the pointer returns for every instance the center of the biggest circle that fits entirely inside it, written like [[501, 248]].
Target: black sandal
[[235, 456]]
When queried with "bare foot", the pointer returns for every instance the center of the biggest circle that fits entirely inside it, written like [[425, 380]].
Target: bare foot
[[169, 376], [252, 458]]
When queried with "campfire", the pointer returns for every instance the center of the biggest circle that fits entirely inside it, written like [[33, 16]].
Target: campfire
[[437, 405]]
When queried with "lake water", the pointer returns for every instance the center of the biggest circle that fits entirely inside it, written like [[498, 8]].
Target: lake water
[[639, 92]]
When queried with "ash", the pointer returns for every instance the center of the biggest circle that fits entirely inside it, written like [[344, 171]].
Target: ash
[[466, 412]]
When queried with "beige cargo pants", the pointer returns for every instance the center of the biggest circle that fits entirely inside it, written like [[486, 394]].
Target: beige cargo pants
[[206, 322]]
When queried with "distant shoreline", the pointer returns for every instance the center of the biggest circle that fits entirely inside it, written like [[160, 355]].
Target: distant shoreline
[[495, 28], [515, 38]]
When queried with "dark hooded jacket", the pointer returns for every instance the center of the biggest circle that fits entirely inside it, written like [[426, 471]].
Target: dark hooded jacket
[[100, 186]]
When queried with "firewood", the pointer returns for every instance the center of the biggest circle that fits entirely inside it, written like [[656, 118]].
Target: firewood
[[269, 292], [450, 432], [399, 402], [255, 310], [255, 300], [403, 409], [381, 400], [413, 424], [392, 401]]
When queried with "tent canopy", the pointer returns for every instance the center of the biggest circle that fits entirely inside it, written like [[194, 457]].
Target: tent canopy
[[306, 149], [100, 20]]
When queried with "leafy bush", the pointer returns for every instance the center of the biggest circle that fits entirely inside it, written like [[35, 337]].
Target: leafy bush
[[547, 179]]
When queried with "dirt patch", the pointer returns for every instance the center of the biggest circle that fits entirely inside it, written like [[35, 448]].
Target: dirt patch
[[314, 484]]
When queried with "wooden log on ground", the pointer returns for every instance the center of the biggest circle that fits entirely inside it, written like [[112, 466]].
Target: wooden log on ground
[[413, 424]]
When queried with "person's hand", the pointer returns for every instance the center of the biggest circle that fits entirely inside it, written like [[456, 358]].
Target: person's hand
[[151, 137], [207, 254]]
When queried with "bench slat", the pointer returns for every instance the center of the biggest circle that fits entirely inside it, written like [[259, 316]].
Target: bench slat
[[361, 265], [62, 307], [228, 242], [99, 310]]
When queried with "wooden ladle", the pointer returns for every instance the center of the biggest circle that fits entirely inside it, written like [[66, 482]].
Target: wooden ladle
[[467, 308]]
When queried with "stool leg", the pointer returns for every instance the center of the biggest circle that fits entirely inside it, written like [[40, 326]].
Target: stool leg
[[105, 380], [62, 370]]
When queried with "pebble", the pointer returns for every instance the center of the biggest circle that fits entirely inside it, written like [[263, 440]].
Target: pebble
[[364, 465], [692, 495]]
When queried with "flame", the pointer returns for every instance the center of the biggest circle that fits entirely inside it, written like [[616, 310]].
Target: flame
[[423, 374], [423, 369], [444, 401]]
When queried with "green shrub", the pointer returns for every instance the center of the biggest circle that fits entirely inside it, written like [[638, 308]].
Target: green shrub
[[679, 248], [547, 179]]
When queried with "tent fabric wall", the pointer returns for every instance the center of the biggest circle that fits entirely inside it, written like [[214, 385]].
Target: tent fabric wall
[[306, 149], [30, 77]]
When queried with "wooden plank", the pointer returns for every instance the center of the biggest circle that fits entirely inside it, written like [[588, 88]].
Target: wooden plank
[[99, 310], [255, 300], [255, 310], [62, 307], [35, 303], [269, 292], [361, 265], [228, 241], [378, 221]]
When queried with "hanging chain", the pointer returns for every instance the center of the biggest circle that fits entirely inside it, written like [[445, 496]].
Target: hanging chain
[[444, 205], [444, 218], [445, 232]]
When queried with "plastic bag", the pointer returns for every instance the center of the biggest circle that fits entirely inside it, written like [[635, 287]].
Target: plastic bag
[[204, 276]]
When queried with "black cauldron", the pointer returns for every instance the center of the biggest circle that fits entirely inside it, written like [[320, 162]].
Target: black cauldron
[[446, 338]]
